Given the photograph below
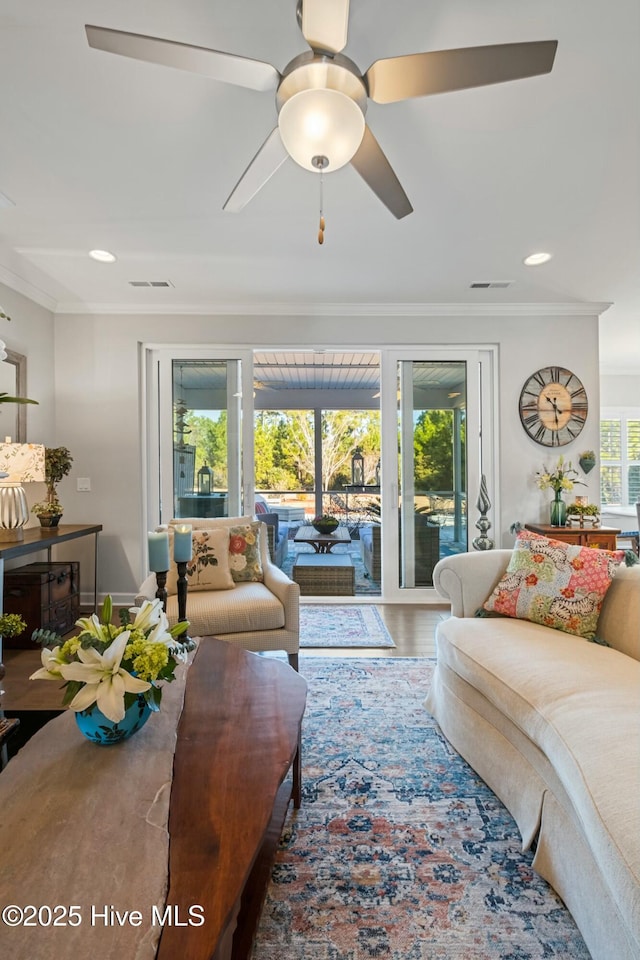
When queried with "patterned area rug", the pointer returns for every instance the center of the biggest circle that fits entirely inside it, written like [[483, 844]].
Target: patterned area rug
[[399, 851], [349, 625]]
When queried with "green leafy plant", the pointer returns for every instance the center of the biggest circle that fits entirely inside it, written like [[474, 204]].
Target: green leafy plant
[[48, 508], [584, 509], [11, 625]]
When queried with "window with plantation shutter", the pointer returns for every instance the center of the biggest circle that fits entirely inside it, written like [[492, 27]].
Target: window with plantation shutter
[[620, 458]]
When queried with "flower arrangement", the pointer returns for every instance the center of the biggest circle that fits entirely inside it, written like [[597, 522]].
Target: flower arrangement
[[563, 477], [109, 666]]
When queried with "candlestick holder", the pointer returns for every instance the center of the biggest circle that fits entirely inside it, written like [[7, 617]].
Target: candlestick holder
[[161, 587], [182, 594]]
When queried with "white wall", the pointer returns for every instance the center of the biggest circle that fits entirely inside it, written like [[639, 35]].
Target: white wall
[[98, 403], [620, 391]]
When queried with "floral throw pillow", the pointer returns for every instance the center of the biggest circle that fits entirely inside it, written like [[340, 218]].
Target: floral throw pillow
[[560, 585], [244, 552], [209, 567]]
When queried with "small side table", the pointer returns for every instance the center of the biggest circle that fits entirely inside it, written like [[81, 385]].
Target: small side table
[[602, 537]]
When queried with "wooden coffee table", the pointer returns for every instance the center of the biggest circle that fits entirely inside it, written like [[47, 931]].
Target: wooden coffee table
[[238, 736], [322, 542]]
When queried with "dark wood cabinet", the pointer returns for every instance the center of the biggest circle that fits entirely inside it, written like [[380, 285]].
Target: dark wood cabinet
[[602, 537], [46, 595]]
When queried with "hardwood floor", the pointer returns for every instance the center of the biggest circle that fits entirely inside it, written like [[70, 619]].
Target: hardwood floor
[[412, 628]]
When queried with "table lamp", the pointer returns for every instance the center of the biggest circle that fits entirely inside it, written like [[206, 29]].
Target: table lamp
[[19, 463]]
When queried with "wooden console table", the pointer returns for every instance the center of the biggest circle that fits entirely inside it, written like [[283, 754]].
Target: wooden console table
[[45, 538], [602, 537]]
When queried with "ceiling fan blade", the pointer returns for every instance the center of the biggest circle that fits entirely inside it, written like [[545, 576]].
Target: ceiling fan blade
[[325, 24], [267, 160], [377, 172], [226, 67], [422, 74]]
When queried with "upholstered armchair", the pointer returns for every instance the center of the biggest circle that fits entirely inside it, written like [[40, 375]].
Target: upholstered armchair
[[259, 615]]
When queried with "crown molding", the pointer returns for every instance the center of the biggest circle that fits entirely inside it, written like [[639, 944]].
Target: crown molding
[[578, 309], [27, 289]]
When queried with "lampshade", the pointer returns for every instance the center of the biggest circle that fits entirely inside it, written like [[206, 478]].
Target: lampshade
[[19, 463], [321, 122], [22, 462]]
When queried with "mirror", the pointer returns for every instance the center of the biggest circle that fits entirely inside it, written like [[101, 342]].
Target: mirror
[[13, 380]]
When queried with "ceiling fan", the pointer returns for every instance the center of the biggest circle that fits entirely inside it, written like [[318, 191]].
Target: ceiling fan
[[321, 96]]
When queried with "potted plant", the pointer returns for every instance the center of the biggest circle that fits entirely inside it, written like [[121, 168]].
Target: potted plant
[[581, 511], [325, 524], [587, 460], [57, 464]]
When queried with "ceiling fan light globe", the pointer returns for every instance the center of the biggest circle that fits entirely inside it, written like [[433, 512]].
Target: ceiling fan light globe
[[324, 123]]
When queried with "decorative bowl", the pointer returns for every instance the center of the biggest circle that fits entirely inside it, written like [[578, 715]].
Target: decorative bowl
[[326, 524]]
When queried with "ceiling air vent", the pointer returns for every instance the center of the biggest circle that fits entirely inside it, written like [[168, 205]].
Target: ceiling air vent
[[150, 283], [490, 284]]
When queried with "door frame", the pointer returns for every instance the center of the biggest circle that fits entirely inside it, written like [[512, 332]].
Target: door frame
[[157, 406], [485, 422], [481, 459]]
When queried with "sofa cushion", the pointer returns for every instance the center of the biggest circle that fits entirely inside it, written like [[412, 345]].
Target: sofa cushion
[[209, 568], [244, 552], [560, 585], [250, 607]]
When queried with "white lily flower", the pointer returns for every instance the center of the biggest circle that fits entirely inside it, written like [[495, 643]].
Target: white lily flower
[[51, 663], [105, 682], [160, 633], [148, 615], [92, 626]]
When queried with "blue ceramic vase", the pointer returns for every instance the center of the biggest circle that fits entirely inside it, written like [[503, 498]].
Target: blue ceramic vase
[[98, 728]]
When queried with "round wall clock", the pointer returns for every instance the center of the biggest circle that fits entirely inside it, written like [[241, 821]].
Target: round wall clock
[[553, 406]]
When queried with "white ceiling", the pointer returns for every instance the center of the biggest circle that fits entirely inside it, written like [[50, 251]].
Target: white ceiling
[[101, 151]]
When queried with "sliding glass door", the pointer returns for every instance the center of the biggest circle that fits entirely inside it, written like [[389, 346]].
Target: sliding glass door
[[421, 472], [432, 402], [203, 414]]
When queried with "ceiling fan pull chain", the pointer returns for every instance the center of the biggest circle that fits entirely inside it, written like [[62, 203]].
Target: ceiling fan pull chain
[[320, 163], [321, 226]]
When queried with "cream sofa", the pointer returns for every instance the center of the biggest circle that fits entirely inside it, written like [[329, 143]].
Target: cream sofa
[[257, 616], [551, 722]]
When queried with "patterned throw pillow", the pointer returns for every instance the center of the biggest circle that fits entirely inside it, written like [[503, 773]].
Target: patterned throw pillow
[[244, 552], [209, 568], [560, 585]]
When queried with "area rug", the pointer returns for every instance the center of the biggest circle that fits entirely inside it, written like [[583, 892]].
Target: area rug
[[342, 625], [399, 850]]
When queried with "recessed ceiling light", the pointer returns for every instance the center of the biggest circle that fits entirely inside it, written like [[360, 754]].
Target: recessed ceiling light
[[535, 259], [103, 256]]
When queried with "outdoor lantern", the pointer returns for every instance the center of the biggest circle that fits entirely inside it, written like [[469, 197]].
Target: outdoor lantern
[[357, 469], [205, 479]]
